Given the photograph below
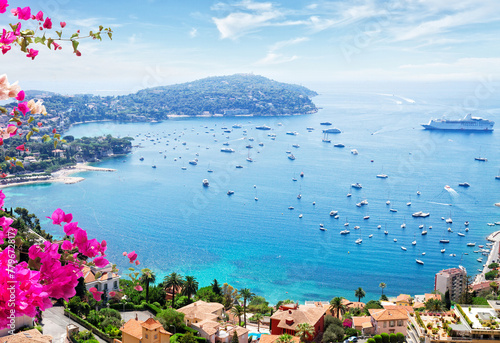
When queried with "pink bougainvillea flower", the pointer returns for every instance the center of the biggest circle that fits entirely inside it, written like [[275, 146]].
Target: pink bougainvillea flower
[[66, 245], [56, 46], [100, 262], [32, 53], [22, 13], [78, 53], [132, 256], [124, 253], [138, 288], [23, 107], [97, 295], [39, 16], [47, 24], [63, 24], [3, 6], [40, 124], [54, 130], [59, 216], [20, 96], [20, 147], [5, 48], [137, 262], [71, 228], [7, 37], [112, 293]]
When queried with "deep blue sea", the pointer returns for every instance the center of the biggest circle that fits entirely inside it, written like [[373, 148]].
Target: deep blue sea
[[177, 225]]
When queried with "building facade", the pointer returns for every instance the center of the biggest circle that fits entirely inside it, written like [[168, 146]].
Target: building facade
[[453, 280]]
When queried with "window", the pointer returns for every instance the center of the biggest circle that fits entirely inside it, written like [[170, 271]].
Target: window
[[115, 284], [391, 323], [156, 336], [385, 324], [400, 323], [146, 336], [97, 286], [105, 286]]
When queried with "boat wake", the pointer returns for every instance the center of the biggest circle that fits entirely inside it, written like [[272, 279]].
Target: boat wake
[[452, 192], [439, 203]]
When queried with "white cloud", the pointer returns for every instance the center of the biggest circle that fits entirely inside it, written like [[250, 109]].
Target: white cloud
[[193, 33], [274, 58], [237, 24], [285, 43]]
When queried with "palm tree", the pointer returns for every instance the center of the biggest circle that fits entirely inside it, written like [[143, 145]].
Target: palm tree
[[246, 294], [148, 276], [337, 305], [434, 305], [494, 286], [305, 331], [173, 281], [190, 286], [359, 293], [237, 311], [285, 338], [258, 318], [382, 285]]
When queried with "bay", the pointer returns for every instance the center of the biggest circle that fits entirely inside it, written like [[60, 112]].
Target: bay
[[176, 224]]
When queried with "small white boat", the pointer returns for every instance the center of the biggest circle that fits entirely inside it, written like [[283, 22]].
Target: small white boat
[[403, 248], [449, 220], [420, 226], [345, 232], [424, 233], [386, 232], [479, 260], [414, 243], [322, 228], [444, 241], [466, 223], [403, 225], [356, 227], [420, 214], [395, 240], [333, 213], [300, 215], [461, 234], [443, 251], [393, 210], [354, 151], [349, 195], [370, 236], [356, 185], [379, 226], [366, 217], [299, 196], [382, 176], [423, 253], [387, 202], [419, 261], [256, 199], [290, 207], [230, 192], [205, 183], [359, 241]]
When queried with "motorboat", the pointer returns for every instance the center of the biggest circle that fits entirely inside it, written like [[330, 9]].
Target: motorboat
[[356, 227], [466, 223], [239, 166], [424, 233], [403, 248], [444, 241], [471, 244], [354, 152], [461, 234], [421, 226], [227, 150], [333, 213], [366, 217], [356, 185], [419, 261], [414, 243], [386, 232], [300, 215], [370, 236], [464, 184], [295, 145], [387, 202], [291, 157], [205, 183], [332, 130], [153, 166], [382, 176], [420, 214], [339, 145], [299, 196], [292, 133], [359, 241], [141, 159], [395, 240], [256, 199], [393, 210], [345, 232], [230, 192], [301, 174], [263, 127], [443, 251], [193, 162], [325, 123], [290, 207]]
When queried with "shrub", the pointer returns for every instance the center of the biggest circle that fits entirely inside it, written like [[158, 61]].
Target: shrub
[[377, 338], [385, 337], [401, 337], [393, 338], [370, 340], [352, 332]]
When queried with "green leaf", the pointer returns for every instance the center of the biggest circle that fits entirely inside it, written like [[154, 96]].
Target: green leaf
[[63, 141], [28, 135], [101, 27], [3, 109], [57, 136], [14, 27], [46, 138], [49, 43], [27, 32], [131, 269], [20, 164], [110, 35], [59, 33], [30, 119], [24, 44], [35, 129], [74, 35], [38, 40], [75, 45], [55, 144]]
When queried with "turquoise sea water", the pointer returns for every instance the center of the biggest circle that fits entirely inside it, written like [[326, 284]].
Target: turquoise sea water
[[175, 224]]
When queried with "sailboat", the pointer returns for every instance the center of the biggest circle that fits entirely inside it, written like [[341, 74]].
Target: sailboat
[[449, 220], [409, 202], [404, 224], [325, 138], [249, 159], [498, 176], [481, 159]]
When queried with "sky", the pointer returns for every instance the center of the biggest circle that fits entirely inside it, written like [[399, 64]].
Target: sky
[[313, 43]]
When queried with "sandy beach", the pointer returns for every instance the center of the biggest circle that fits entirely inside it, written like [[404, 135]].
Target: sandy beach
[[63, 175]]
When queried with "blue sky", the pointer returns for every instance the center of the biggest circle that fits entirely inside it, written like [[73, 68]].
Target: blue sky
[[307, 42]]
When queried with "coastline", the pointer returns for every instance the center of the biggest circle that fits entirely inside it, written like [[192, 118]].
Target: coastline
[[62, 175]]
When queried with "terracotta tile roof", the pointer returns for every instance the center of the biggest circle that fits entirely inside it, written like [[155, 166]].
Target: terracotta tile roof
[[385, 314], [133, 328], [151, 324], [89, 275], [201, 310], [402, 308], [403, 297], [274, 338], [359, 321], [240, 331], [209, 326], [289, 319], [432, 296], [28, 336], [418, 305]]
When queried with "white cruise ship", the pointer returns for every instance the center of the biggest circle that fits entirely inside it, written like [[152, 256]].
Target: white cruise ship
[[468, 123]]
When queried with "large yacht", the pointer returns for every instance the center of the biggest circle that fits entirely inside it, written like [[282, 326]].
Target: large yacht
[[467, 123]]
